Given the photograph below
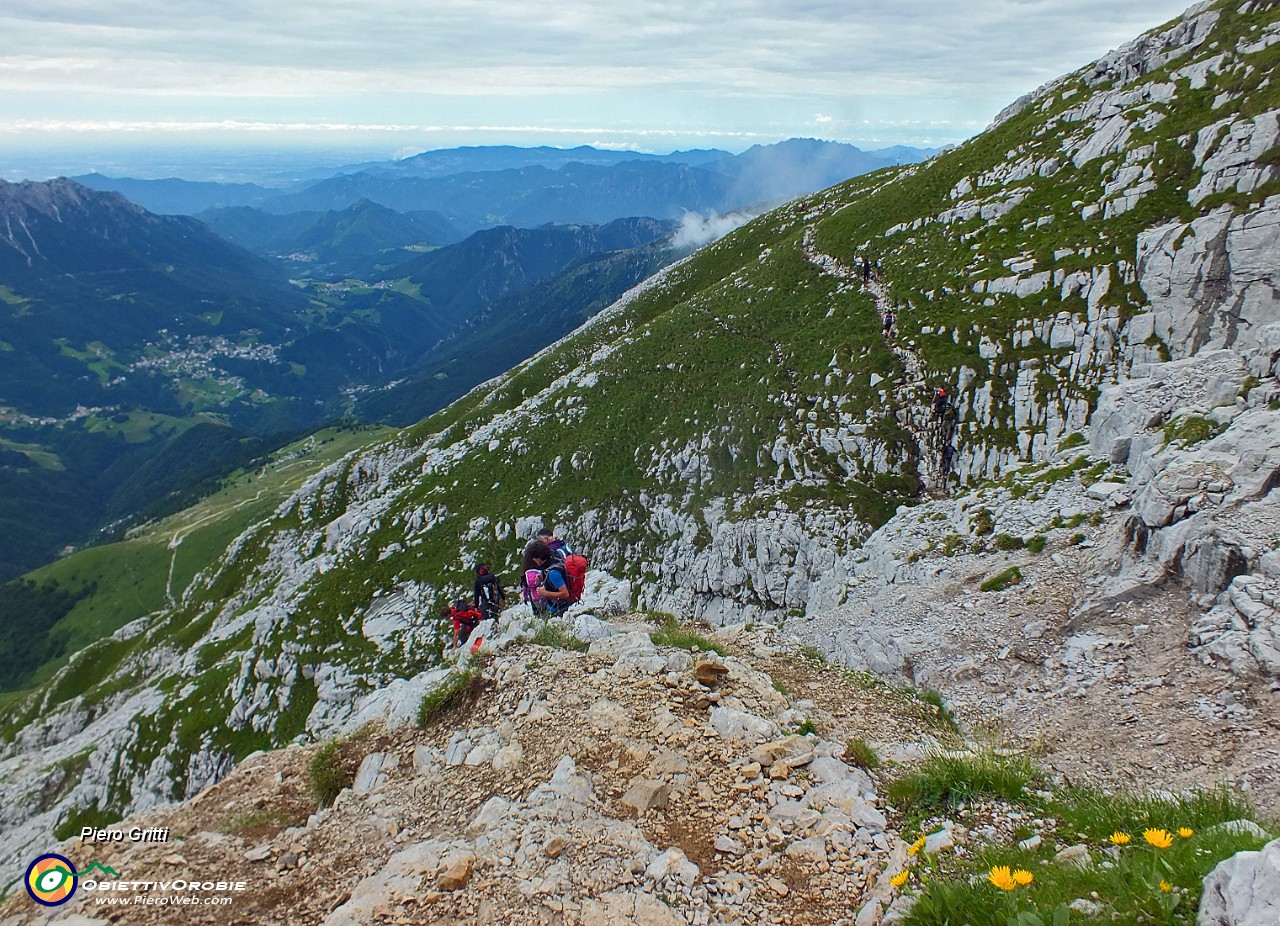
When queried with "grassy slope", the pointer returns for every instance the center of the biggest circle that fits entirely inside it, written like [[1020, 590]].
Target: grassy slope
[[132, 578], [744, 347]]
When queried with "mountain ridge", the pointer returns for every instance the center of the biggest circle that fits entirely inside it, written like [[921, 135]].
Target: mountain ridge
[[1066, 275]]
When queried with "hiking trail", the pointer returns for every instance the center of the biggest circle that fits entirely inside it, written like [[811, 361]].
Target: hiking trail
[[911, 393]]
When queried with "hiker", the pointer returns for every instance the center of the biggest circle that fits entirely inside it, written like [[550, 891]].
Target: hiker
[[940, 402], [866, 269], [948, 455], [490, 598], [465, 619], [559, 548], [888, 323], [530, 579], [553, 586]]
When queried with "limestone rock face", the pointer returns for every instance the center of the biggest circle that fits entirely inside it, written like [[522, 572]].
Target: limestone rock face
[[1244, 890], [1218, 287]]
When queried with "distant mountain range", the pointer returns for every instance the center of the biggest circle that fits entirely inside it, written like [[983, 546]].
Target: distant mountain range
[[360, 241], [479, 187]]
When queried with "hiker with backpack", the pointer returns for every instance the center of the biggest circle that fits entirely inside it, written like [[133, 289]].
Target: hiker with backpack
[[941, 401], [888, 323], [947, 458], [559, 548], [560, 582], [465, 617], [489, 596]]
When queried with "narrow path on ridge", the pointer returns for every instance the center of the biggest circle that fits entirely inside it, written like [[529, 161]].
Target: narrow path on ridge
[[911, 393]]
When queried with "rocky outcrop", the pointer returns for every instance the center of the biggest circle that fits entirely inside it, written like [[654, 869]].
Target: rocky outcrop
[[1243, 891]]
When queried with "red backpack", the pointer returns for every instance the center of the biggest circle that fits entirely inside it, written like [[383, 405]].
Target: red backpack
[[575, 575]]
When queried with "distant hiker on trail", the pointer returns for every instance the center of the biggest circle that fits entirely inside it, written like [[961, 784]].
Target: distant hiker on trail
[[866, 269], [465, 619], [552, 588], [559, 548], [940, 403], [888, 323], [948, 456], [489, 595]]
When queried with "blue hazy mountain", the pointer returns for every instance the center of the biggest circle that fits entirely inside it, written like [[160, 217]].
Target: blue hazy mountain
[[360, 241], [173, 196]]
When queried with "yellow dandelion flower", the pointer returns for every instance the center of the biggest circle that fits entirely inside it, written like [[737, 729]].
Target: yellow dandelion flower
[[1119, 838], [1161, 839], [1001, 878], [1023, 877], [900, 878], [916, 846], [1166, 886], [1186, 832]]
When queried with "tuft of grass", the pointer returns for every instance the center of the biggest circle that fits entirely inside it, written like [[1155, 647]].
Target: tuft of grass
[[330, 770], [1007, 542], [1190, 430], [670, 633], [256, 821], [1002, 580], [940, 710], [1124, 880], [1092, 815], [781, 687], [982, 522], [811, 653], [1037, 543], [862, 754], [461, 684], [558, 638], [808, 728], [946, 780]]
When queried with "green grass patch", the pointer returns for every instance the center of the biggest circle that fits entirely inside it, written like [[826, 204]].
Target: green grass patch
[[331, 769], [862, 754], [946, 780], [672, 633], [1192, 429], [1139, 883], [557, 637], [1037, 543], [255, 821], [1008, 542], [460, 686], [1002, 580]]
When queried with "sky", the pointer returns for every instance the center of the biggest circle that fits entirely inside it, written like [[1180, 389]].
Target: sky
[[86, 79]]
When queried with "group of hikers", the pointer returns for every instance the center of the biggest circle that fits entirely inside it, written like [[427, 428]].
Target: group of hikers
[[552, 577], [945, 413], [945, 416]]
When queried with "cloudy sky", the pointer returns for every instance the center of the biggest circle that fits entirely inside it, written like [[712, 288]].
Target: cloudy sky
[[405, 75]]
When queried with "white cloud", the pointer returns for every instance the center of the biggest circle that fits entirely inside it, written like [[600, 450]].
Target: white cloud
[[698, 230], [626, 72]]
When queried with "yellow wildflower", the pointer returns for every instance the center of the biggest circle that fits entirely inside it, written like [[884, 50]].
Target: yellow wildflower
[[916, 846], [900, 878], [1023, 877], [1166, 886], [1161, 839], [1001, 878], [1119, 838], [1186, 832]]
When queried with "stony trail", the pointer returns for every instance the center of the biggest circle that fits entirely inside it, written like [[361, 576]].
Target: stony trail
[[628, 784], [911, 393]]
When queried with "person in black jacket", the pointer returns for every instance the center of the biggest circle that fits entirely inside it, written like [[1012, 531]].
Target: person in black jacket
[[490, 598]]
